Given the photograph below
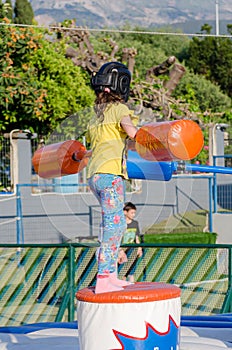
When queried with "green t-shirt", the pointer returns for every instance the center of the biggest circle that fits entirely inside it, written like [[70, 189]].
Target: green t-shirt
[[131, 232]]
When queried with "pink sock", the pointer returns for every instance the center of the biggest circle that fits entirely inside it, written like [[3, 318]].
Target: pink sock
[[116, 281], [105, 285]]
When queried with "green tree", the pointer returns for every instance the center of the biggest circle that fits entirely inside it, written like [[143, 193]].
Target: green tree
[[67, 86], [6, 9], [197, 91], [212, 57], [1, 9], [9, 9], [17, 91], [23, 12], [39, 87], [151, 49]]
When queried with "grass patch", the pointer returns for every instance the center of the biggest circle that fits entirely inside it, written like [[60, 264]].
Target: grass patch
[[186, 228], [194, 221], [182, 238]]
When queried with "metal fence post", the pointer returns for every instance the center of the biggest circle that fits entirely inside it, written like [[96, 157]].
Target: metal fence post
[[69, 295], [227, 305], [71, 287], [19, 223], [90, 221], [214, 187], [210, 205]]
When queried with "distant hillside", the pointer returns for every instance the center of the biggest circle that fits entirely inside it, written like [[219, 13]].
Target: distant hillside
[[146, 13]]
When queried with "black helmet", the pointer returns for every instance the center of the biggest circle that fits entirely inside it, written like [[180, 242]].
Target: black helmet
[[115, 76]]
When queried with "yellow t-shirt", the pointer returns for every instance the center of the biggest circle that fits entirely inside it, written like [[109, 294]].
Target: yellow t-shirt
[[108, 140]]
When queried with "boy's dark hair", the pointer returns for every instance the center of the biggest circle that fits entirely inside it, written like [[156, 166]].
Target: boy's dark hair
[[128, 206]]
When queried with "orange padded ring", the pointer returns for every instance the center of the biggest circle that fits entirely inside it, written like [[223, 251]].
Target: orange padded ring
[[139, 292]]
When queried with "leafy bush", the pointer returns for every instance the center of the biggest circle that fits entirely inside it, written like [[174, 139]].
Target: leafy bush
[[202, 93]]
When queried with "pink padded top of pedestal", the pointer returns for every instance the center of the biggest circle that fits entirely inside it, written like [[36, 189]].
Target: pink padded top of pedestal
[[139, 292]]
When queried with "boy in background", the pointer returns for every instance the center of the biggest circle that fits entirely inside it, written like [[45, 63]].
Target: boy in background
[[131, 235]]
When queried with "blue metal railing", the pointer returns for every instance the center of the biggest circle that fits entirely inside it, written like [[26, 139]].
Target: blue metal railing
[[215, 187], [38, 282]]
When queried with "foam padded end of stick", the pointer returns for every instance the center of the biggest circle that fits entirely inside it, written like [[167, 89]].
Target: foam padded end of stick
[[57, 159], [185, 139], [170, 140]]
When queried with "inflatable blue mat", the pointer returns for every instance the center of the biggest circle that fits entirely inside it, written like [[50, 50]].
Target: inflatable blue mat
[[214, 321], [28, 328]]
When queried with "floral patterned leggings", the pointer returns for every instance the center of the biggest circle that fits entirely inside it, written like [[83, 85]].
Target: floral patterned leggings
[[110, 192]]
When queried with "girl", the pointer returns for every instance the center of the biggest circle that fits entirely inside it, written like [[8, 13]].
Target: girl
[[107, 134]]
